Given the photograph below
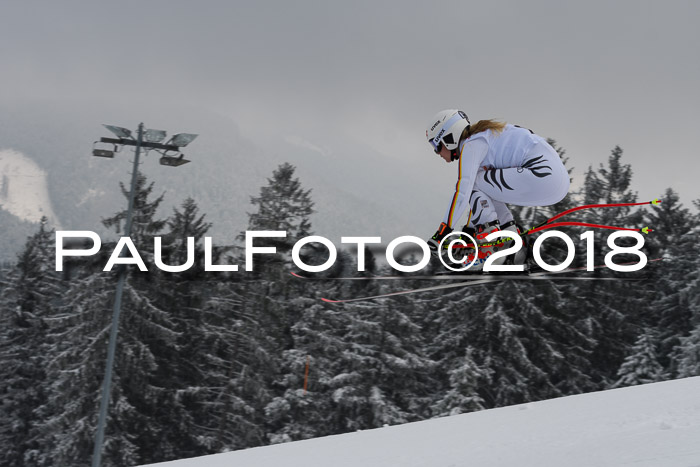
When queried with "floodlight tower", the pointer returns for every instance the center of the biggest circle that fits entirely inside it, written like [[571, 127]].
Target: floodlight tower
[[147, 140]]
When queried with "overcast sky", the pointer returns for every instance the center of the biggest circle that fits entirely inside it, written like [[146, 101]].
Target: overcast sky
[[591, 74]]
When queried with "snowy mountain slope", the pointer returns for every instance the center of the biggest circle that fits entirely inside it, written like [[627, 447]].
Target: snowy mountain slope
[[653, 425], [23, 188]]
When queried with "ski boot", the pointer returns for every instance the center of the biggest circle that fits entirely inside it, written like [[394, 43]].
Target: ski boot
[[520, 256], [486, 248]]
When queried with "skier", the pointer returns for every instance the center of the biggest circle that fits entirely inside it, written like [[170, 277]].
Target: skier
[[498, 163]]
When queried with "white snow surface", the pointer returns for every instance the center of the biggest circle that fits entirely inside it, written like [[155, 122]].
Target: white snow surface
[[23, 188], [653, 425]]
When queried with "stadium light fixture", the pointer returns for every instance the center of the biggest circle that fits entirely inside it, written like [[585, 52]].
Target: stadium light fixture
[[119, 131], [182, 139], [172, 161]]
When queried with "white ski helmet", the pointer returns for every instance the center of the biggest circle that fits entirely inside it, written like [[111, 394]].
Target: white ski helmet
[[445, 128]]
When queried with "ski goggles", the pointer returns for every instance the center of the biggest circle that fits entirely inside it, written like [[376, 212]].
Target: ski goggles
[[436, 142]]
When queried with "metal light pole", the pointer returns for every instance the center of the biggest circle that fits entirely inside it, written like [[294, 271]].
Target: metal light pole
[[153, 142]]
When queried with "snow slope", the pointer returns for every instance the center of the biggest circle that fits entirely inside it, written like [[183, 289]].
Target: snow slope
[[23, 188], [653, 425]]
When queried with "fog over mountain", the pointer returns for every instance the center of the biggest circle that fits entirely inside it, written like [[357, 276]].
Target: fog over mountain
[[349, 182]]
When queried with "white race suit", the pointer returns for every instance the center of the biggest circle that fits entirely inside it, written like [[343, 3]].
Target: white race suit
[[513, 166]]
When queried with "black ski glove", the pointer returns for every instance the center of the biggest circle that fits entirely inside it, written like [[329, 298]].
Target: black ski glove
[[443, 231]]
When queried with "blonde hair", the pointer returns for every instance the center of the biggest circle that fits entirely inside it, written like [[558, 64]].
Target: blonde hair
[[483, 125]]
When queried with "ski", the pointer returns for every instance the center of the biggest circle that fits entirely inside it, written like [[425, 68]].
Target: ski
[[434, 277], [468, 283], [543, 275], [389, 278]]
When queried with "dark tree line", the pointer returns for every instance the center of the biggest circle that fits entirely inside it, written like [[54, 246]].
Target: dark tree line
[[209, 362]]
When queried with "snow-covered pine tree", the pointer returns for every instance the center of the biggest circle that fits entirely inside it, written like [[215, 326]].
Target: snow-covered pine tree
[[609, 314], [641, 366], [319, 341], [142, 404], [675, 237], [28, 296], [528, 347], [260, 309], [524, 340], [144, 225], [218, 381], [225, 380], [447, 326], [357, 356], [78, 333], [462, 396], [687, 353], [184, 223], [386, 348], [283, 205]]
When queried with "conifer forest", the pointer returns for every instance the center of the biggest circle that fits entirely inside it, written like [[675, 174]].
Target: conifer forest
[[209, 362]]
